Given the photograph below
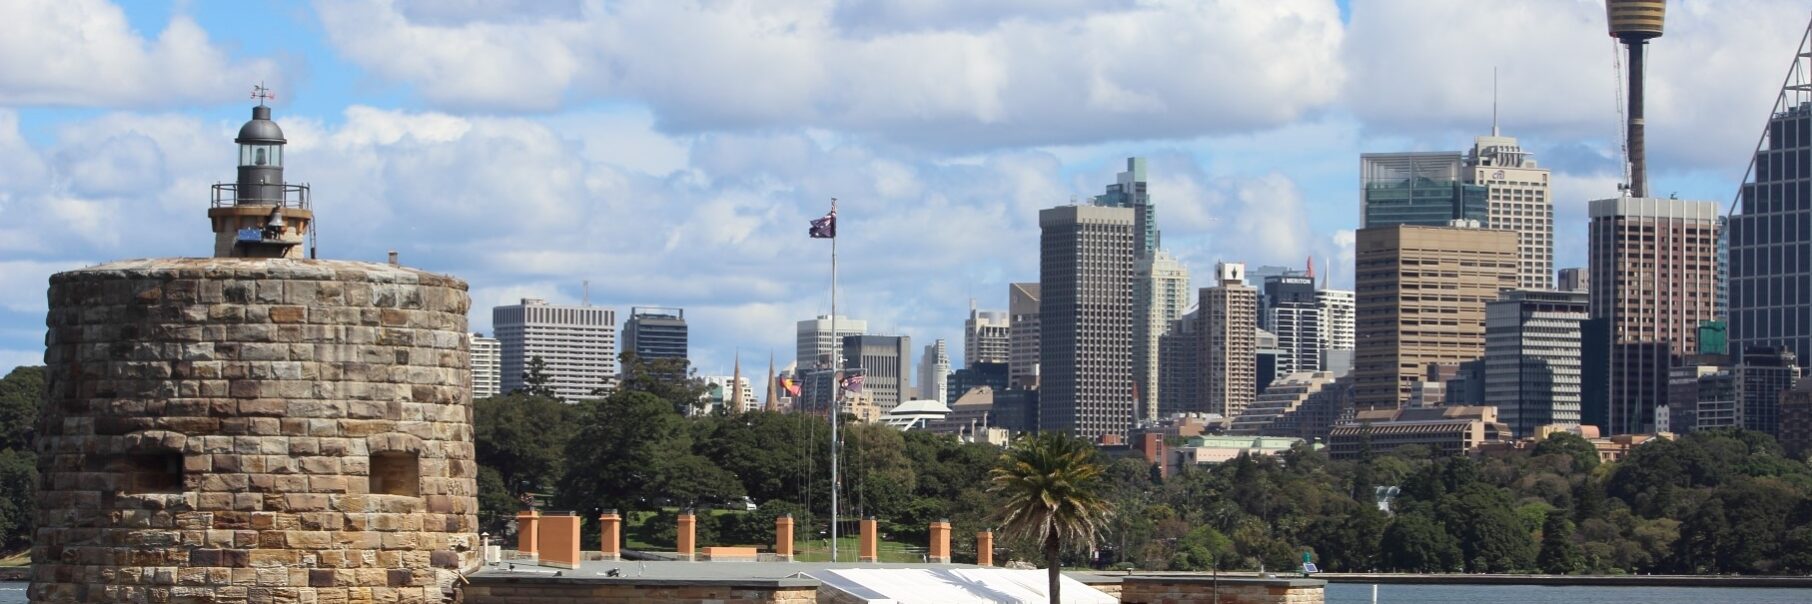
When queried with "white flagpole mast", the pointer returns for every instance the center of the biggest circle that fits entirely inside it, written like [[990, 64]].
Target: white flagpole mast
[[836, 385]]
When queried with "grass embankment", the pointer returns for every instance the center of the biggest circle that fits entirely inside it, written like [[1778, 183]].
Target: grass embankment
[[636, 536]]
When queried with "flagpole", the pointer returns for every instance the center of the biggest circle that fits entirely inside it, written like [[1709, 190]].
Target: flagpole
[[836, 385]]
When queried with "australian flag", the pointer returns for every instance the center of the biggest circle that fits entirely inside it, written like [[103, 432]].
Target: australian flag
[[824, 228], [853, 383]]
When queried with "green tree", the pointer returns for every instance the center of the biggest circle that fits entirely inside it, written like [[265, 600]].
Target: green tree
[[18, 479], [523, 438], [1491, 536], [1415, 543], [616, 457], [536, 381], [1051, 485], [671, 380], [1559, 554], [1584, 455]]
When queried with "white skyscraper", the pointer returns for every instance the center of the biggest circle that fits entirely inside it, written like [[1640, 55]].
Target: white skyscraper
[[719, 394], [934, 372], [1518, 200], [577, 343], [1166, 300], [487, 365], [816, 344], [985, 337], [1336, 318]]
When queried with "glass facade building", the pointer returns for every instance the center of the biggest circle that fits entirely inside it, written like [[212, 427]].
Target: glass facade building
[[1771, 241], [1419, 189]]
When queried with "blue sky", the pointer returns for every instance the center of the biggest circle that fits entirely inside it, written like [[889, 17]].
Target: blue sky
[[669, 152]]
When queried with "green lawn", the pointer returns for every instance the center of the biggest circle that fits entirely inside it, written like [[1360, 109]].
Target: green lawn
[[813, 550]]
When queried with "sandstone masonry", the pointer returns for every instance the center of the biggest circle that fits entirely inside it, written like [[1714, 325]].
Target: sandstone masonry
[[229, 430]]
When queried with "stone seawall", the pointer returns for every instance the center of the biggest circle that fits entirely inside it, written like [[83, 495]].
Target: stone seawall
[[254, 430]]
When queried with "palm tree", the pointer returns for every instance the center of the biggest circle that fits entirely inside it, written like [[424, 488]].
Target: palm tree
[[1052, 484]]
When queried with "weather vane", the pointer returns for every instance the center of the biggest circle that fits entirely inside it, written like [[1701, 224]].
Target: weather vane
[[262, 94]]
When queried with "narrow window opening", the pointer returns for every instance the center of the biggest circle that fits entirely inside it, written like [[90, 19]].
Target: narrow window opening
[[395, 473], [154, 472]]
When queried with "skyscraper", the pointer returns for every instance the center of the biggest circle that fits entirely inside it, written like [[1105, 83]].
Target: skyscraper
[[1532, 356], [815, 344], [1518, 200], [1422, 188], [1576, 279], [1292, 313], [1165, 286], [934, 372], [578, 344], [1336, 306], [886, 364], [1771, 242], [1180, 366], [1229, 332], [1129, 191], [1421, 294], [986, 336], [1654, 265], [1022, 345], [1085, 346], [655, 333], [487, 365]]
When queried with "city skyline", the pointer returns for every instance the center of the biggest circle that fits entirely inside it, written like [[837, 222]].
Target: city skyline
[[532, 184]]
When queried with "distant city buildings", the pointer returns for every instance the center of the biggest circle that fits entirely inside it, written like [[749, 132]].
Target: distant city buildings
[[1770, 242], [655, 333], [487, 365], [730, 393], [1421, 295], [986, 337], [886, 365], [1228, 334], [578, 345], [1292, 312], [1518, 201], [1337, 325], [1532, 358], [1085, 309], [1421, 188], [1162, 299], [816, 346], [1180, 367], [1445, 431], [1576, 279], [1654, 264], [934, 372], [1023, 335]]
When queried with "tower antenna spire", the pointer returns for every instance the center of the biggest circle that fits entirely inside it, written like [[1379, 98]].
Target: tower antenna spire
[[1494, 100]]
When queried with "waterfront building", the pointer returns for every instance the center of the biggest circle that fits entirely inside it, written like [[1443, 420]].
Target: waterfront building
[[487, 365], [1532, 348], [1654, 267], [1420, 299], [1085, 308], [576, 343]]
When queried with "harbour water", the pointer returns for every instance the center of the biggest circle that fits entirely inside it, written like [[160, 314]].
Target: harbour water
[[1346, 593]]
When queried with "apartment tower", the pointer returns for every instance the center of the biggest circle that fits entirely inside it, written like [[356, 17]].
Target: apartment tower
[[1085, 308], [1532, 356], [578, 345]]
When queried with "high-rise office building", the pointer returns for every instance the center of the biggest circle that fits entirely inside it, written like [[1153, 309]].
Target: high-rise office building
[[1653, 263], [1532, 346], [1763, 374], [886, 364], [1180, 366], [1770, 243], [721, 395], [577, 344], [1085, 343], [1420, 298], [987, 336], [1292, 313], [1336, 306], [1129, 191], [934, 372], [1518, 200], [1164, 284], [1421, 188], [655, 333], [1229, 337], [1576, 279], [815, 344], [487, 365], [1022, 335]]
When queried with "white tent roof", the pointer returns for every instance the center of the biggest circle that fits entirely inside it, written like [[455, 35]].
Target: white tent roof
[[943, 585]]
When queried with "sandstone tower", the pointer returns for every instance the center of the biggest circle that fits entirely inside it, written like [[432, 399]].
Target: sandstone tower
[[255, 427]]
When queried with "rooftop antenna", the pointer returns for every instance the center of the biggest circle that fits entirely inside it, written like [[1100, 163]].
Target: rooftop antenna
[[585, 287], [1494, 100]]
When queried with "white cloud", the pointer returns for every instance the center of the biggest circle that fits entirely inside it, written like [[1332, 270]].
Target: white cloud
[[944, 74], [85, 53], [23, 284]]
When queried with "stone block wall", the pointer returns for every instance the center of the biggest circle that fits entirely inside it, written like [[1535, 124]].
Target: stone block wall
[[1173, 589], [487, 589], [254, 430]]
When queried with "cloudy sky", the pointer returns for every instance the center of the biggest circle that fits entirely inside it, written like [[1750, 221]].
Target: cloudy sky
[[670, 152]]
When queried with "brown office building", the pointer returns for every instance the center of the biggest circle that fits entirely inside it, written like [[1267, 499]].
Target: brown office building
[[1421, 293], [1654, 280]]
